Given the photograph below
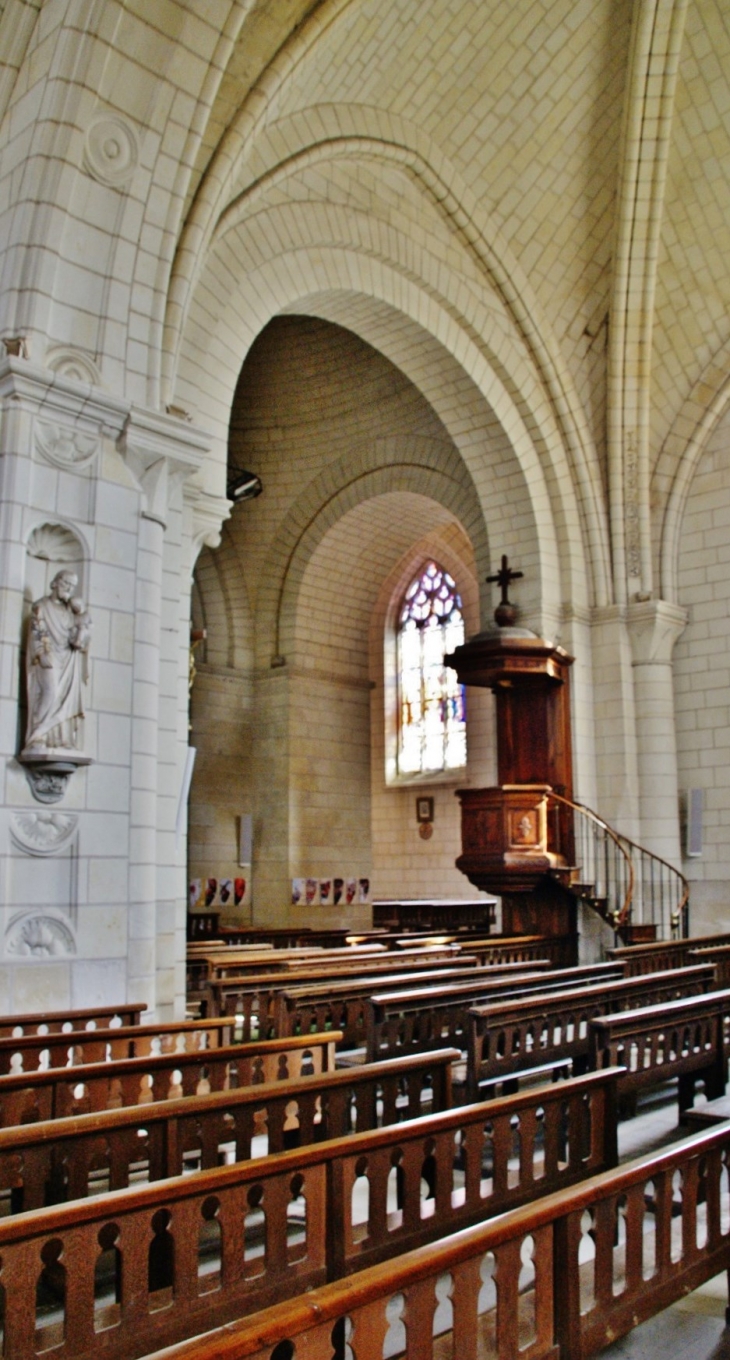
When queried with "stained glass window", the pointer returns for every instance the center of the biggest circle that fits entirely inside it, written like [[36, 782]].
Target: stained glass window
[[432, 711]]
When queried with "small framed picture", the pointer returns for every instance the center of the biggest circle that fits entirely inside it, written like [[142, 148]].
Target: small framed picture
[[424, 809]]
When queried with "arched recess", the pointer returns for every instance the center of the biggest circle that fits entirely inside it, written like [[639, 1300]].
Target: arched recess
[[267, 157], [220, 587], [680, 457], [440, 355], [403, 863], [419, 467], [337, 814]]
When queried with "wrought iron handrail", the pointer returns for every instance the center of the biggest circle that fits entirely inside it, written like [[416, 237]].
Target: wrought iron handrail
[[646, 882], [596, 863]]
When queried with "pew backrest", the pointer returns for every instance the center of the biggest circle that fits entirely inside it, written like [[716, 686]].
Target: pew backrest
[[26, 1097], [661, 954], [522, 1031], [68, 1021], [283, 1224], [35, 1051], [683, 1038], [71, 1158], [401, 1023], [587, 1247]]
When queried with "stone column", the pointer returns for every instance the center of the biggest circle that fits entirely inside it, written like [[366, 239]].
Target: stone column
[[161, 453], [653, 627]]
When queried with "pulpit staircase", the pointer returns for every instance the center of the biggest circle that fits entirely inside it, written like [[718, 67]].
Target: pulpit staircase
[[637, 893]]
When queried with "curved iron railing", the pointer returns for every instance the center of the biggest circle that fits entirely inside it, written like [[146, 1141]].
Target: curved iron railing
[[637, 886]]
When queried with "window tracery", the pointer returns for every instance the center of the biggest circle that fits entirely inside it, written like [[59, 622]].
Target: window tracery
[[431, 702]]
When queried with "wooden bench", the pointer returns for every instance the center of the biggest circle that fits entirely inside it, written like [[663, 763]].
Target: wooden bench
[[577, 1270], [202, 925], [401, 1023], [519, 1032], [719, 955], [662, 954], [344, 1004], [686, 1039], [417, 913], [212, 961], [252, 998], [70, 1158], [65, 1022], [189, 1253], [55, 1092], [29, 1053]]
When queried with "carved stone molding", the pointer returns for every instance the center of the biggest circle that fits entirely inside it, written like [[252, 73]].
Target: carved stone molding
[[48, 778], [74, 364], [64, 446], [111, 150], [209, 513], [654, 627], [43, 833], [37, 936], [60, 397], [161, 452]]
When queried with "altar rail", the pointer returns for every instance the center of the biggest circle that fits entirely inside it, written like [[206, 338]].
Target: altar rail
[[576, 1270]]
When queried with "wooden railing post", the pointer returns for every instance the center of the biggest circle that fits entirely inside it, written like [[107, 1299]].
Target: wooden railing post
[[566, 1285]]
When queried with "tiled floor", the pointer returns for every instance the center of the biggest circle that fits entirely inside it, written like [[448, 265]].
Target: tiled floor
[[694, 1328]]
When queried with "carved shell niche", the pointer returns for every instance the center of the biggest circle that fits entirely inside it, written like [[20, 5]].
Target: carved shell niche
[[54, 543]]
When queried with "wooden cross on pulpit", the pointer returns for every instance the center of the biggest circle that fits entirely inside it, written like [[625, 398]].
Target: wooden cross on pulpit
[[505, 613]]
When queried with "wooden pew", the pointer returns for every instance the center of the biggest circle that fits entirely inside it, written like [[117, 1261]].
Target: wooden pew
[[193, 1252], [32, 1052], [662, 954], [399, 1022], [252, 997], [344, 1003], [518, 1033], [62, 1022], [719, 955], [686, 1039], [202, 925], [73, 1157], [589, 1285], [56, 1092]]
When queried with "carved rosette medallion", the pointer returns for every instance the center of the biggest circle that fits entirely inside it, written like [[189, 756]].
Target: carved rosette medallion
[[65, 448], [43, 833], [39, 937], [111, 150]]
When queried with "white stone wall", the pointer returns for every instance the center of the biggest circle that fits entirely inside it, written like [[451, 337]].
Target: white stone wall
[[702, 677]]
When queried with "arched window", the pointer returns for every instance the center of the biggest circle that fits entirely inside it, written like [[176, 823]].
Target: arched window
[[431, 707]]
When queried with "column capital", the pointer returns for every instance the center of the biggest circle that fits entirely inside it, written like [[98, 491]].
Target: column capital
[[208, 516], [654, 627], [161, 452]]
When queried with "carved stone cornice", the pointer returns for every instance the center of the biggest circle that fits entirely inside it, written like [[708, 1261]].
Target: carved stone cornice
[[654, 627], [62, 399], [161, 452]]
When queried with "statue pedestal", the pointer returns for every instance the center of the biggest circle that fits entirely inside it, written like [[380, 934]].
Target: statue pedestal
[[48, 771]]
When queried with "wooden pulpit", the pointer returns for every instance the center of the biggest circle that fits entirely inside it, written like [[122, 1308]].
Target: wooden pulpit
[[514, 837]]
